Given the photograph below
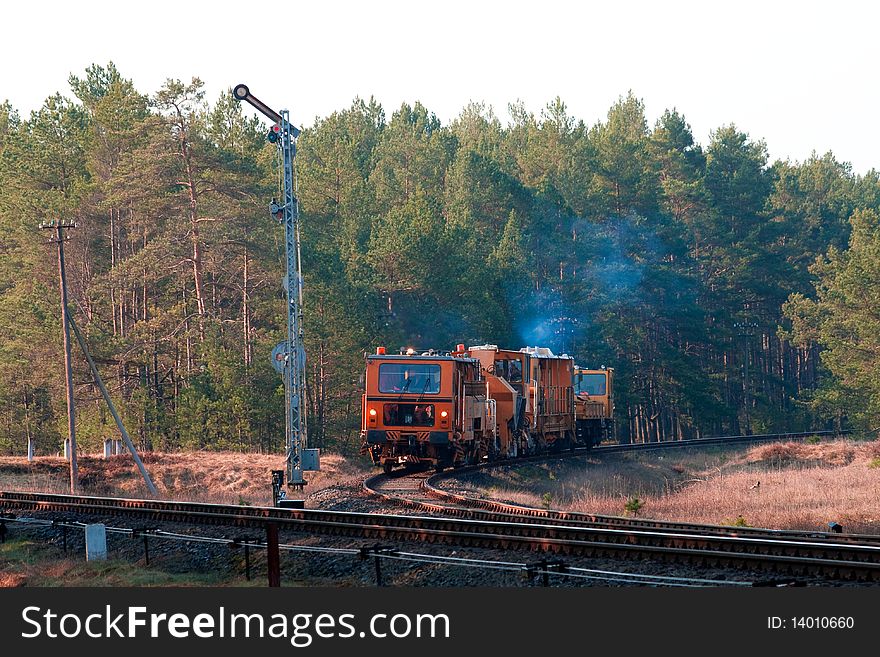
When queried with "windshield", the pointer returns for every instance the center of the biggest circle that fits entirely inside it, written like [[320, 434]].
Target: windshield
[[414, 378], [592, 384]]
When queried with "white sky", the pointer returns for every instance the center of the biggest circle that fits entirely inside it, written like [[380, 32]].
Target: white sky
[[801, 75]]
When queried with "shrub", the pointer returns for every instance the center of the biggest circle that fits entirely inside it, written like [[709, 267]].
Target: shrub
[[633, 505], [875, 463], [547, 500]]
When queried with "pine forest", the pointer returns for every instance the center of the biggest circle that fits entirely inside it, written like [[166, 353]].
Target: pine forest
[[731, 294]]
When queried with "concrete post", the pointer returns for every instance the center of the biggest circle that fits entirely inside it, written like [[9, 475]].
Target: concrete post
[[108, 448], [96, 542], [67, 448], [30, 449], [117, 447]]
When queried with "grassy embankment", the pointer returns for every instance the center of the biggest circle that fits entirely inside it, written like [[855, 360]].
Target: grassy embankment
[[221, 477], [782, 485]]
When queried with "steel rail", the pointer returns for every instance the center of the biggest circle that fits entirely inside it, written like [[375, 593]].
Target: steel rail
[[846, 560], [465, 504]]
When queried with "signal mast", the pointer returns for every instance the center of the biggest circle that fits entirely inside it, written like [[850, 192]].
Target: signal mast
[[289, 357]]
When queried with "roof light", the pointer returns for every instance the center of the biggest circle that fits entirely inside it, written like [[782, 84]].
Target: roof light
[[380, 351]]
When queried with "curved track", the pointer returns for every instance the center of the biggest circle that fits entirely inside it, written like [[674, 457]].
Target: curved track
[[420, 490]]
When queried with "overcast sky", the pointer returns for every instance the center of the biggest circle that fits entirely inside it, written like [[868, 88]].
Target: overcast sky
[[801, 75]]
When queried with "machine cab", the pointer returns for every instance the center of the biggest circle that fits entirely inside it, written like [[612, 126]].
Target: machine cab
[[595, 387]]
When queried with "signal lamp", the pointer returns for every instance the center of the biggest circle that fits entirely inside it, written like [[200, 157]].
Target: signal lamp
[[380, 351], [373, 412], [443, 414], [274, 133]]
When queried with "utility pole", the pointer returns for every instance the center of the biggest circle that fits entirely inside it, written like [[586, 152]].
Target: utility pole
[[58, 226], [289, 357]]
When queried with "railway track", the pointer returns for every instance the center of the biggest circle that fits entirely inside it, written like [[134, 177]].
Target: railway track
[[421, 490], [800, 557]]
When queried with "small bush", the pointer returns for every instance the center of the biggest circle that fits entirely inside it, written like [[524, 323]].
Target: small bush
[[875, 463], [633, 505], [739, 522], [777, 454], [547, 500], [813, 440]]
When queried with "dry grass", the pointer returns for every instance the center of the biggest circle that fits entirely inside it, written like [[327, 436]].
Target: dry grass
[[27, 562], [782, 485], [222, 477], [12, 580]]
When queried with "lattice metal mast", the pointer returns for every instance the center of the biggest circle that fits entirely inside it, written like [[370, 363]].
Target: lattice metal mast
[[291, 354]]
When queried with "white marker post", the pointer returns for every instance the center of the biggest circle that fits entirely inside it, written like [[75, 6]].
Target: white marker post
[[96, 542]]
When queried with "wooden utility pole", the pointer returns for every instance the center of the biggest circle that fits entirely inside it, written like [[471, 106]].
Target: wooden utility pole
[[58, 226]]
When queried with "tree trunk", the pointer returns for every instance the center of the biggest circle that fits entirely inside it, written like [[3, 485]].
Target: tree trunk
[[245, 314], [195, 238]]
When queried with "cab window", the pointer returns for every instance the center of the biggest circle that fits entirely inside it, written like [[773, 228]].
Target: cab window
[[511, 370], [592, 384], [415, 378]]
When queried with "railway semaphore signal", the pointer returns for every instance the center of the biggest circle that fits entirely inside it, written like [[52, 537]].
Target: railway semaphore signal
[[289, 357]]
